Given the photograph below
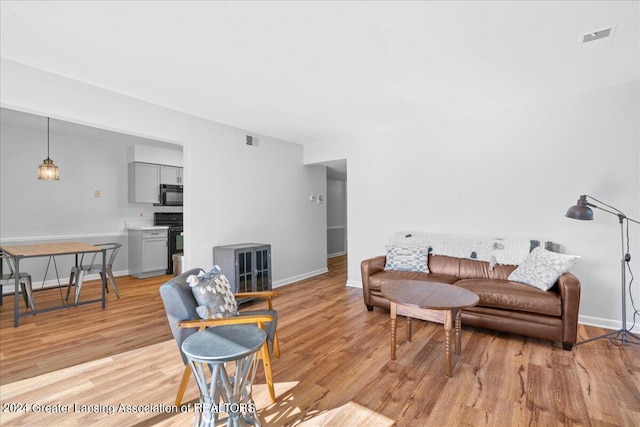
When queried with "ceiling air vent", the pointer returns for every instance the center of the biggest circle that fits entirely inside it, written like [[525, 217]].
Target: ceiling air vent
[[252, 141], [599, 38]]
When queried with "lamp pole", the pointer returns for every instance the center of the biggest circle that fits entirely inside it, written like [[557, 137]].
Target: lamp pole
[[582, 210]]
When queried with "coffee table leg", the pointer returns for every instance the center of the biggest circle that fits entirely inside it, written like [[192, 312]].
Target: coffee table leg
[[393, 309], [409, 328], [458, 331], [447, 341]]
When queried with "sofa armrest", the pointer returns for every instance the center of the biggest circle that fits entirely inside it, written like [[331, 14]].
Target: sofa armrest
[[367, 268], [569, 287]]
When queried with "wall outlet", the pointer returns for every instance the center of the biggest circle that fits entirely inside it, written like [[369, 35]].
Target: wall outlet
[[97, 194]]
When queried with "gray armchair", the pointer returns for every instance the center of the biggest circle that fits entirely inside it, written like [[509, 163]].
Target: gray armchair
[[180, 307]]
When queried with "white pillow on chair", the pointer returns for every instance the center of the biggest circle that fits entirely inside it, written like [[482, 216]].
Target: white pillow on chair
[[212, 292]]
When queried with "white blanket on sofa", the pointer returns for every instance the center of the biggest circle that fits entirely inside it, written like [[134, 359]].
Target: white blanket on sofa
[[494, 250]]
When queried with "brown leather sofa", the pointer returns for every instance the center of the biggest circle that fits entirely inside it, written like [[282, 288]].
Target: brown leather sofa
[[504, 305]]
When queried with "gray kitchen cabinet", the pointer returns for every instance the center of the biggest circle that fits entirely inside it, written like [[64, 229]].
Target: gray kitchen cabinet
[[148, 252], [246, 265], [170, 175], [144, 183]]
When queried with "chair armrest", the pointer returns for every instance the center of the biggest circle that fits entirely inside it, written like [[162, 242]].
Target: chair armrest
[[262, 294], [205, 323]]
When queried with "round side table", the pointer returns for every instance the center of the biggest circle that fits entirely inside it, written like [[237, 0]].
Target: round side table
[[221, 388]]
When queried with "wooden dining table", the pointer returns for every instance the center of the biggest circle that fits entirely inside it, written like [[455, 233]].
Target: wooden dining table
[[19, 252]]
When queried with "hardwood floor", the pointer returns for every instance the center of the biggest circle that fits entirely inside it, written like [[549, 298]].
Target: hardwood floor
[[334, 368]]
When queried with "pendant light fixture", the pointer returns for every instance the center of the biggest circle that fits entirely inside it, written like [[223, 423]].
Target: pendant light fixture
[[48, 171]]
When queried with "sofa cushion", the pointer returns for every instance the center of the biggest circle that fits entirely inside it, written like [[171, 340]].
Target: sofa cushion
[[378, 279], [407, 259], [470, 269], [542, 268], [509, 295], [446, 265]]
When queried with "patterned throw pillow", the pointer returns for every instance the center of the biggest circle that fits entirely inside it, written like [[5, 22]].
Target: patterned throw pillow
[[407, 258], [212, 292], [542, 268]]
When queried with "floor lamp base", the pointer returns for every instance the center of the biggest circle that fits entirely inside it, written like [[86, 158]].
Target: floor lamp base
[[622, 335]]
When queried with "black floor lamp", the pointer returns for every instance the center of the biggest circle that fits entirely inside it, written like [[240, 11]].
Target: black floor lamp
[[582, 210]]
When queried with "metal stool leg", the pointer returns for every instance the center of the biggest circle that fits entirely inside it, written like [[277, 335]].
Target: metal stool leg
[[71, 277], [79, 279], [27, 291], [113, 281]]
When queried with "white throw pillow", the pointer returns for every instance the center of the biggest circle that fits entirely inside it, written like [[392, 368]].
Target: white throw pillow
[[212, 292], [542, 268], [407, 258]]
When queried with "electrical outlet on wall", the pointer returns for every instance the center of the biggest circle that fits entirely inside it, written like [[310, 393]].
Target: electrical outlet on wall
[[97, 194]]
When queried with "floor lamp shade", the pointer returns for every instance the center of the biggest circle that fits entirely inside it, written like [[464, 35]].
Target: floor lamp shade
[[580, 210]]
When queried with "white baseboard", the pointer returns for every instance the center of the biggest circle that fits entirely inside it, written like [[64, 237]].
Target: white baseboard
[[299, 277], [354, 284], [606, 323], [336, 254]]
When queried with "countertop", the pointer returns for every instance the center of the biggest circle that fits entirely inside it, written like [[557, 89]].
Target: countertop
[[147, 227]]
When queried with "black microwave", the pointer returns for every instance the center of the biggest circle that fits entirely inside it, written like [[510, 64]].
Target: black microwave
[[170, 195]]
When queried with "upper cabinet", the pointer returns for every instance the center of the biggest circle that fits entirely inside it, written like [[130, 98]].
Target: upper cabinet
[[145, 180], [170, 175], [144, 183]]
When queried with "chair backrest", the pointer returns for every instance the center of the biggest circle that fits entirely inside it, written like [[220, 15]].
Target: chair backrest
[[112, 251], [180, 304], [9, 260]]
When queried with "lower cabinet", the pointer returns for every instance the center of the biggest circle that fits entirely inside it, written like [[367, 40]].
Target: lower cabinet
[[246, 265], [148, 253]]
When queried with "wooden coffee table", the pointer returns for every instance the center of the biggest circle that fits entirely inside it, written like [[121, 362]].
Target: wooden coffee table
[[433, 301]]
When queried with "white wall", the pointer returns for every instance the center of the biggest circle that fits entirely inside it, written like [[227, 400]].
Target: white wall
[[231, 194], [33, 209], [150, 154], [511, 172]]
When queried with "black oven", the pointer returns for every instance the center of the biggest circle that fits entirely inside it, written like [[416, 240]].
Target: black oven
[[176, 240], [170, 195]]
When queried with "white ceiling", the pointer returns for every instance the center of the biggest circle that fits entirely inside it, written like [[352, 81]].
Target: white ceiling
[[310, 72]]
